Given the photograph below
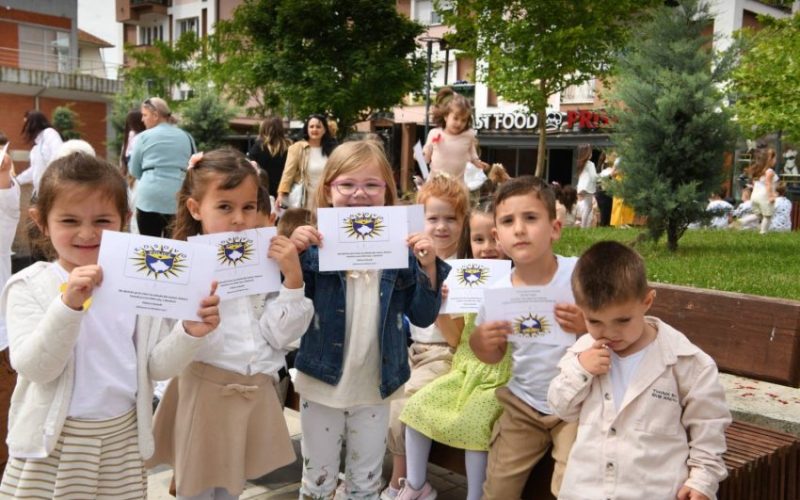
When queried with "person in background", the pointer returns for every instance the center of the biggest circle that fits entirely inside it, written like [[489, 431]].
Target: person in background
[[604, 200], [305, 162], [158, 162], [270, 150], [721, 211], [567, 206], [133, 127], [782, 218], [45, 141], [587, 185]]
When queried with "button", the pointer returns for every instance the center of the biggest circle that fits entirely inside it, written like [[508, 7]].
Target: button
[[608, 397], [585, 378], [610, 465], [612, 431]]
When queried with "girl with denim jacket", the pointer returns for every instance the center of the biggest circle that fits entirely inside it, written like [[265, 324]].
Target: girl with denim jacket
[[352, 360]]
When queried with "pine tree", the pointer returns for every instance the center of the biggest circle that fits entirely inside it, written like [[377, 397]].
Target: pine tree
[[65, 120], [206, 116], [673, 129]]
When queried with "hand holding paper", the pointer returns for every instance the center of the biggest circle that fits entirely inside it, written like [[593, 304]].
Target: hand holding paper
[[80, 285], [283, 251], [306, 236], [489, 340], [208, 313]]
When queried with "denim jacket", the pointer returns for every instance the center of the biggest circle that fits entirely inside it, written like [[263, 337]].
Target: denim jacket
[[403, 292]]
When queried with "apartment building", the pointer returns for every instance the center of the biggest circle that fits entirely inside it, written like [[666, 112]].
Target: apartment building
[[507, 133], [46, 62]]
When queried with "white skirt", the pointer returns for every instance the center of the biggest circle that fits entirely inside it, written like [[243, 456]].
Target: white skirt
[[92, 459]]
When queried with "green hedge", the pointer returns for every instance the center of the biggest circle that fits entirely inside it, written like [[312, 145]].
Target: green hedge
[[733, 261]]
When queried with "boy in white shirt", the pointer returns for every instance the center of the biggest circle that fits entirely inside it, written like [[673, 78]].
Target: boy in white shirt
[[526, 227], [650, 405]]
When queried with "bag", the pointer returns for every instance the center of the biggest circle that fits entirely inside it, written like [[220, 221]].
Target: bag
[[474, 177], [297, 196]]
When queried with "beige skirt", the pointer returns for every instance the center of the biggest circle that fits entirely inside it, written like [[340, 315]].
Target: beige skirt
[[92, 459], [218, 428]]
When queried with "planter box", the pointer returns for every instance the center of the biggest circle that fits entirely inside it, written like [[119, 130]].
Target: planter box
[[757, 337]]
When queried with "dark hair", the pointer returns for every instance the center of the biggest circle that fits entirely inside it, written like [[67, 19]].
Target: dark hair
[[35, 122], [76, 170], [465, 244], [584, 154], [780, 188], [527, 184], [568, 196], [231, 168], [3, 139], [328, 141], [272, 136], [293, 218], [448, 101], [133, 123], [608, 273]]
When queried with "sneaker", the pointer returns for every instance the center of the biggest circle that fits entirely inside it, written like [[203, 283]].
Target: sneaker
[[389, 493], [408, 493]]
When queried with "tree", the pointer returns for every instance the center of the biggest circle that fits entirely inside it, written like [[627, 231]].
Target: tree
[[765, 82], [65, 120], [160, 69], [532, 49], [672, 129], [206, 117], [347, 58]]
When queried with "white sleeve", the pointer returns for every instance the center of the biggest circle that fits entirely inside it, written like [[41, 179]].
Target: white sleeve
[[286, 317]]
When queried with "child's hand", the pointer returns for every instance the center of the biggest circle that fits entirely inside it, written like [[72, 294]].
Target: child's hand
[[492, 335], [284, 252], [445, 292], [306, 236], [570, 317], [422, 246], [686, 493], [80, 284], [596, 359], [209, 315]]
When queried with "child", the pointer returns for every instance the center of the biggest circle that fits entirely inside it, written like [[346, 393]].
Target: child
[[80, 419], [720, 209], [292, 218], [353, 360], [782, 218], [220, 422], [587, 185], [743, 216], [459, 408], [452, 143], [446, 203], [764, 181], [651, 409], [567, 206], [526, 227]]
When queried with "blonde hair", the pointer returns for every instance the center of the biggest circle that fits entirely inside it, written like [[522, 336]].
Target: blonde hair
[[272, 136], [441, 185], [160, 107], [350, 157]]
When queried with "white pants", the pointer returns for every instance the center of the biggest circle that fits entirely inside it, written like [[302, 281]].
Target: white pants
[[585, 209], [211, 494], [362, 429]]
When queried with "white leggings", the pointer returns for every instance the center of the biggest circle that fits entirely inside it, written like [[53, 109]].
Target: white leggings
[[211, 494], [585, 209], [418, 448], [362, 429]]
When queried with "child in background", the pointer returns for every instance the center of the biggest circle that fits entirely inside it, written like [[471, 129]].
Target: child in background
[[587, 185], [452, 143], [651, 409], [220, 422], [720, 209], [353, 360], [764, 181], [782, 218], [526, 228], [293, 218], [567, 206], [81, 414], [459, 408], [446, 203]]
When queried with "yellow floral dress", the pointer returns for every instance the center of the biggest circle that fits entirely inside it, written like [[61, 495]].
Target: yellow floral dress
[[459, 408]]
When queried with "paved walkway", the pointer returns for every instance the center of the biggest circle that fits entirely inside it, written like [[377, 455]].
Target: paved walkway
[[284, 483]]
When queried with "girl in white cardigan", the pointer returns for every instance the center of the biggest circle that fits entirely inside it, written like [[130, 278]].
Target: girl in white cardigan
[[220, 422], [80, 418]]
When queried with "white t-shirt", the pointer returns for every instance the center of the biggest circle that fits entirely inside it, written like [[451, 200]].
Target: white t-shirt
[[587, 180], [535, 365], [105, 363], [316, 165], [621, 373], [722, 208]]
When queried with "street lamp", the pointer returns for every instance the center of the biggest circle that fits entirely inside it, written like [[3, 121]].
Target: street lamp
[[430, 40]]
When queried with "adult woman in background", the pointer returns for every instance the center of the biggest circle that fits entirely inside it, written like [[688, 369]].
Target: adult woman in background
[[133, 127], [587, 185], [270, 150], [45, 142], [159, 160], [305, 162]]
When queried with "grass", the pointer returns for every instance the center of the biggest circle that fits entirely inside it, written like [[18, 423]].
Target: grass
[[733, 261]]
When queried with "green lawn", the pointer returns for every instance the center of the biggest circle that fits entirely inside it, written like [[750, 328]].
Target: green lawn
[[734, 261]]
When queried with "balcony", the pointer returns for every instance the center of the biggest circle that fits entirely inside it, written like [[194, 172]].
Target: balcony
[[138, 11]]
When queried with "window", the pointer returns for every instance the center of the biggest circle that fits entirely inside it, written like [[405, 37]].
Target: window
[[148, 35], [43, 48], [190, 24], [579, 93]]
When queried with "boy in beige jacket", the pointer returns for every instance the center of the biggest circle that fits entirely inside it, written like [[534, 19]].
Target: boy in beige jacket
[[651, 411]]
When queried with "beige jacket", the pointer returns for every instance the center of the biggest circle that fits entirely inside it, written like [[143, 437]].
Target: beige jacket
[[670, 429], [296, 165], [42, 332]]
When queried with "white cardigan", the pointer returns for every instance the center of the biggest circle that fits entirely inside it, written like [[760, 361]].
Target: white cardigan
[[42, 333]]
